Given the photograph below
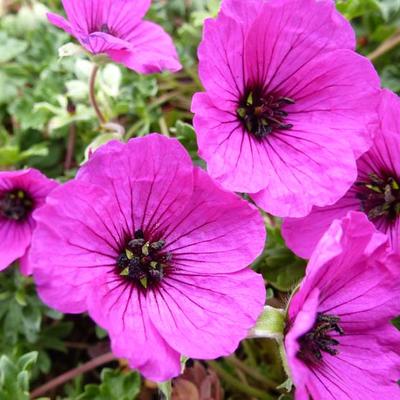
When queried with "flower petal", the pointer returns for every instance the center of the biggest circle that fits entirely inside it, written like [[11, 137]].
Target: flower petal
[[14, 238], [154, 176], [119, 308], [234, 157], [60, 22], [300, 325], [288, 34], [83, 244], [304, 170], [303, 234], [220, 54], [87, 16], [100, 42], [150, 50], [206, 316], [357, 278], [217, 232], [338, 95], [243, 12]]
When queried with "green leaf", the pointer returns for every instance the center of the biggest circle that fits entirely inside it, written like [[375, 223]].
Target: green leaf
[[396, 322], [26, 361], [389, 8], [115, 385], [100, 332], [356, 8], [280, 267], [10, 47], [110, 80], [9, 155], [15, 375], [166, 389]]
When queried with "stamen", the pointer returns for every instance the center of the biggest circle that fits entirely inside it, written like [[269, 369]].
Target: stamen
[[15, 205], [263, 114], [318, 340], [380, 197], [143, 262]]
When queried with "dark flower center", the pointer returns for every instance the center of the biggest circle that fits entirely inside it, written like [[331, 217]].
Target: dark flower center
[[104, 28], [15, 205], [380, 197], [261, 114], [143, 262], [318, 339]]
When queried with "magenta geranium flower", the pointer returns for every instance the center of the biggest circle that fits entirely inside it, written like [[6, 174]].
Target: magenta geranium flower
[[288, 106], [116, 28], [376, 191], [21, 193], [340, 343], [155, 251]]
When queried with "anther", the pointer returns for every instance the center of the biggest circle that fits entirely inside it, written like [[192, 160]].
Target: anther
[[262, 115], [143, 262], [318, 340]]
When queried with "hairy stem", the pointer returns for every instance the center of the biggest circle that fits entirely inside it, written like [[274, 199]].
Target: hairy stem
[[92, 95], [62, 379]]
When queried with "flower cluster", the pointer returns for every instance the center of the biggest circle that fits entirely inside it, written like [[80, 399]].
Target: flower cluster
[[157, 251]]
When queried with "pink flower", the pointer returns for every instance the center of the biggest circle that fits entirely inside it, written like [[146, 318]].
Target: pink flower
[[288, 106], [21, 193], [116, 28], [341, 343], [155, 251], [376, 191]]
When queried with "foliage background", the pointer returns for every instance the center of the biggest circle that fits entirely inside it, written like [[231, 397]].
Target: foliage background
[[46, 122]]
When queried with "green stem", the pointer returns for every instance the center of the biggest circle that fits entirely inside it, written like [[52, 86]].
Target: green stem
[[73, 373], [253, 373], [234, 383], [386, 46], [247, 345], [92, 95]]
